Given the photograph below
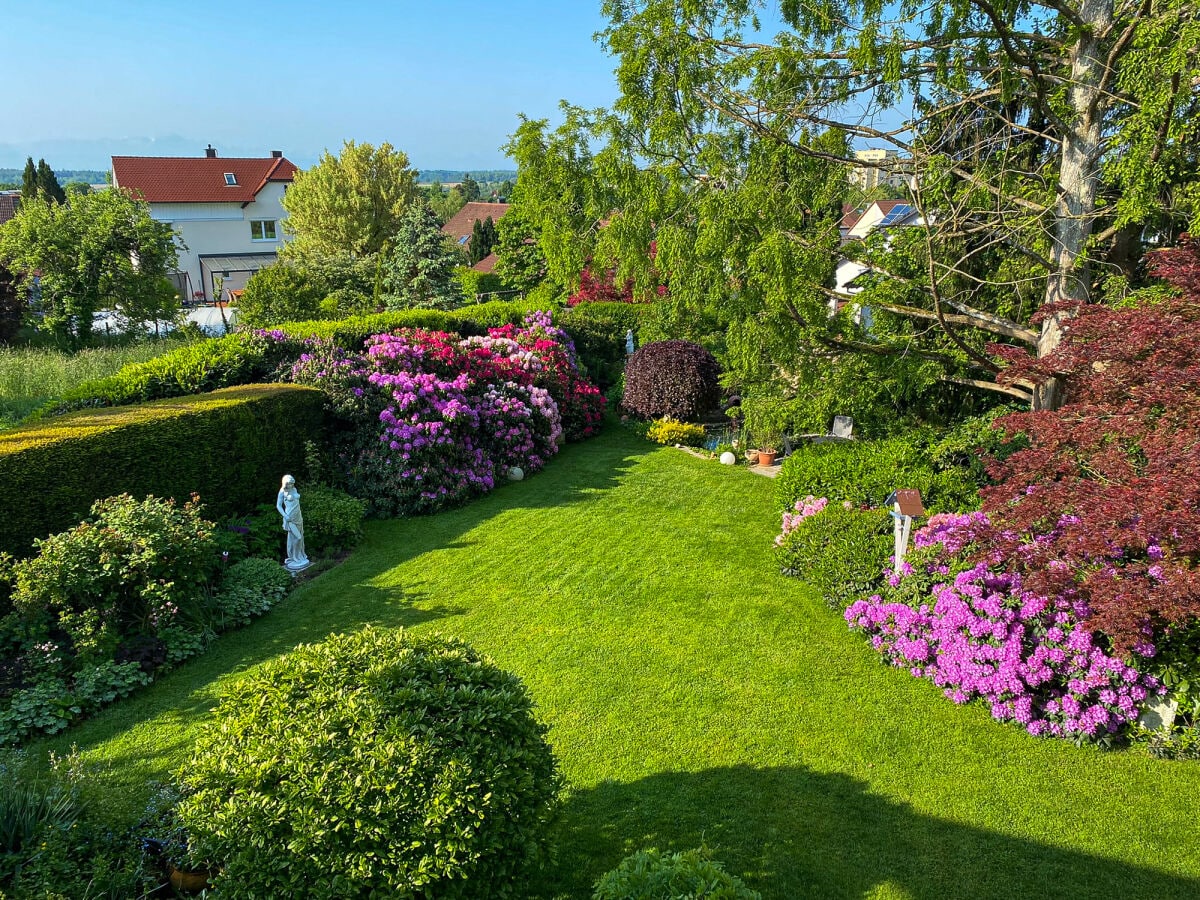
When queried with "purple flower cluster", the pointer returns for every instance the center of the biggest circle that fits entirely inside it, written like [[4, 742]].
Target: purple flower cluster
[[434, 419], [977, 633]]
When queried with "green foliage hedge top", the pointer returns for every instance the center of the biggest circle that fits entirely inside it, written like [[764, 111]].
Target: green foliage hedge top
[[467, 321], [375, 764], [865, 472], [598, 330], [230, 447], [652, 875]]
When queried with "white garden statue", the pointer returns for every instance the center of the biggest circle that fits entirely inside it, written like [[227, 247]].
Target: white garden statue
[[288, 504]]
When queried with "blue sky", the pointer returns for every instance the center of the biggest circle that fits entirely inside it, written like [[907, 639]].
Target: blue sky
[[443, 81]]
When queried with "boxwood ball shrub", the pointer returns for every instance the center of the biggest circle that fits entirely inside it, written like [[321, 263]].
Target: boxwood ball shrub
[[652, 875], [375, 764], [671, 432], [671, 378]]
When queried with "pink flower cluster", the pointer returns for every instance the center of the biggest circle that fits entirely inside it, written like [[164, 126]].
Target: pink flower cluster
[[435, 418], [980, 634], [809, 506]]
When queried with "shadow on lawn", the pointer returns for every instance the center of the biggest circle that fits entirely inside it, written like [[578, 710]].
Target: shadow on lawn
[[794, 833]]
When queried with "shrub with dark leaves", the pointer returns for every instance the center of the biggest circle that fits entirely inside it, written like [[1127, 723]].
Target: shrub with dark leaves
[[671, 378]]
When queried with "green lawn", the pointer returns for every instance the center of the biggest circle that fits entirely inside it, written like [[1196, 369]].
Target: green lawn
[[694, 695]]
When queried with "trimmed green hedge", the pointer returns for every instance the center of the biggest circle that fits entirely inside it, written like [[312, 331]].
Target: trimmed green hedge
[[230, 446], [865, 472], [467, 321], [598, 330]]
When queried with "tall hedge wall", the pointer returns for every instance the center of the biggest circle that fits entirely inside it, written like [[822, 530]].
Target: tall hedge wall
[[230, 446], [467, 320]]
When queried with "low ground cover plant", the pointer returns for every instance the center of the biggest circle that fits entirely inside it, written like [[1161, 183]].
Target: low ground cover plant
[[671, 431], [653, 875], [374, 763]]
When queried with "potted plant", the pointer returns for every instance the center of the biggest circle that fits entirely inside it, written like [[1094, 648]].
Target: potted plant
[[769, 441], [167, 841]]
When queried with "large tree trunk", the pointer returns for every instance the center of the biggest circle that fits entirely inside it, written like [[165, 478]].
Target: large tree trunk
[[1079, 176]]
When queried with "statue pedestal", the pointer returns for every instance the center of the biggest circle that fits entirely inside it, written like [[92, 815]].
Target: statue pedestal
[[296, 565]]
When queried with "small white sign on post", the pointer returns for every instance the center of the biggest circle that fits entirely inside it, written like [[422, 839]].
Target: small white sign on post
[[904, 506]]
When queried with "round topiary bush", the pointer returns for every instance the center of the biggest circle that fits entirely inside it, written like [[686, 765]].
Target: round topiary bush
[[676, 379], [651, 875], [374, 764]]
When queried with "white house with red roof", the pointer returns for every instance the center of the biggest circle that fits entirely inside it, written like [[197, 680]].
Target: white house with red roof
[[226, 212]]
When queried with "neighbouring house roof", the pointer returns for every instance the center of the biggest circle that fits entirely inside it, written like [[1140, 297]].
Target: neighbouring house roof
[[486, 264], [185, 179], [850, 216], [462, 222], [9, 201]]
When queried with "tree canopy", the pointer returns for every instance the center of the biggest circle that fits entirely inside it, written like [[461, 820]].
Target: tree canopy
[[419, 270], [100, 251], [349, 203], [1048, 142]]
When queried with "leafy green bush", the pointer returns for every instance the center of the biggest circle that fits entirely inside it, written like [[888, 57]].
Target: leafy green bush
[[468, 321], [249, 589], [671, 378], [866, 472], [671, 432], [196, 368], [473, 283], [377, 763], [651, 875], [332, 520], [840, 552], [279, 293], [100, 607], [230, 447]]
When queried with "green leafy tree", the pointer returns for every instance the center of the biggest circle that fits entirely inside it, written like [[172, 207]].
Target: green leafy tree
[[520, 263], [47, 183], [1045, 138], [419, 270], [350, 203], [279, 293], [100, 251], [469, 188], [29, 181]]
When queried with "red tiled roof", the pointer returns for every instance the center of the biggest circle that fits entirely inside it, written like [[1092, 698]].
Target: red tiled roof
[[9, 201], [185, 179], [462, 222], [886, 206], [850, 216], [486, 264]]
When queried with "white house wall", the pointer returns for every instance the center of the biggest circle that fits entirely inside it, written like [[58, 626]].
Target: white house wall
[[221, 229]]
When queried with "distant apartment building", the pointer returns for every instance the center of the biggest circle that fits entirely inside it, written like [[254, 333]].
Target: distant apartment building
[[880, 167], [226, 212]]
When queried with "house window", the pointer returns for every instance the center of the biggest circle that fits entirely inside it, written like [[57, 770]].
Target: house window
[[262, 230], [230, 179]]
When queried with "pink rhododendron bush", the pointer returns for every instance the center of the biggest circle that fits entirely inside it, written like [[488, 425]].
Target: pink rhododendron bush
[[429, 419], [977, 631]]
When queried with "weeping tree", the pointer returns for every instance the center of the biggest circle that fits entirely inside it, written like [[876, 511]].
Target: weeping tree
[[1047, 143]]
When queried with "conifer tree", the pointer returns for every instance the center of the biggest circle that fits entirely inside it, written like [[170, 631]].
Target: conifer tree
[[418, 271], [29, 181], [47, 183]]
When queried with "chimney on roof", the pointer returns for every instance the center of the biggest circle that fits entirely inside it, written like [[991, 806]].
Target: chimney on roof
[[276, 154], [210, 152]]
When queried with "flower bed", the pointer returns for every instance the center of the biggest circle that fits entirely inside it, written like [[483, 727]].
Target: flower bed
[[430, 419]]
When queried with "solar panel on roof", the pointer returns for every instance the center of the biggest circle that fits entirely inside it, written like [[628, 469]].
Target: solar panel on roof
[[899, 212]]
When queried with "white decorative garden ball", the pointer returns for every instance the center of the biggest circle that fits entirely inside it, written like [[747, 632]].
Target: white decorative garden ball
[[728, 459], [516, 473]]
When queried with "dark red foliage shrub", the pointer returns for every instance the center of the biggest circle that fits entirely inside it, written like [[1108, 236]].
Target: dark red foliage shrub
[[671, 378], [1106, 499]]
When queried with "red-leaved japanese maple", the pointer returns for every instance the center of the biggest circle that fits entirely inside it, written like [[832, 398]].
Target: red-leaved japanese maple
[[1105, 501]]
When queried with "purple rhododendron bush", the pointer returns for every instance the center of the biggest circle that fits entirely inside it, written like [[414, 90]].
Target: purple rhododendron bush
[[429, 419]]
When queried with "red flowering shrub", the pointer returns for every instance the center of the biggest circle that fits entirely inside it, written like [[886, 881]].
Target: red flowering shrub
[[671, 378], [1104, 504]]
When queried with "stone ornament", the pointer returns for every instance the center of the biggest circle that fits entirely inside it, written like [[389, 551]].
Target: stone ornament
[[288, 505]]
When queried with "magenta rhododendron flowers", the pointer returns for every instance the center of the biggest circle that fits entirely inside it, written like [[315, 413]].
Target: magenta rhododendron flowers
[[433, 419], [980, 634]]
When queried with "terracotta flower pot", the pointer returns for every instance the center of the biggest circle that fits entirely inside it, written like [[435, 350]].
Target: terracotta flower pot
[[752, 457], [766, 457], [184, 882]]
